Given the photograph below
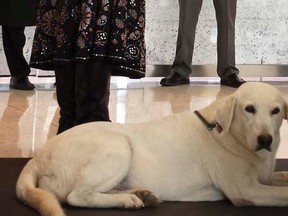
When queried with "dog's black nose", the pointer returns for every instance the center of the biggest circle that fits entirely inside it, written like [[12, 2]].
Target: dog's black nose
[[264, 142]]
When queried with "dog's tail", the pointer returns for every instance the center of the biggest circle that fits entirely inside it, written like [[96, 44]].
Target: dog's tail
[[26, 190]]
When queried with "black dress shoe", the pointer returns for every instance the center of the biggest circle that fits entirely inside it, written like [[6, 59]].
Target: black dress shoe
[[233, 81], [21, 83], [174, 79]]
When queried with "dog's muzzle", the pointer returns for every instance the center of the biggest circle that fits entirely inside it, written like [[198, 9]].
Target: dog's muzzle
[[264, 142]]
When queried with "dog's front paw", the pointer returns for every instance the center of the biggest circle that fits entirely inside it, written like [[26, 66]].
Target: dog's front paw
[[148, 198]]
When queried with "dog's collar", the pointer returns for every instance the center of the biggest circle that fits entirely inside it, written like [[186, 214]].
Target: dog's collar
[[208, 125]]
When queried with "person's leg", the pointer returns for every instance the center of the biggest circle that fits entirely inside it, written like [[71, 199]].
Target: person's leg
[[13, 43], [65, 91], [226, 16], [92, 91], [188, 18]]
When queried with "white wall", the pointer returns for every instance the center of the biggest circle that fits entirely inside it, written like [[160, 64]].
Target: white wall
[[261, 32]]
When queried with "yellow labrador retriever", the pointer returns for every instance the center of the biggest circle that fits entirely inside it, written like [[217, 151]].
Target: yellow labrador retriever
[[226, 150]]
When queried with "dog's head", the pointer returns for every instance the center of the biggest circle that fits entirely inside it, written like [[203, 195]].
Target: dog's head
[[253, 115]]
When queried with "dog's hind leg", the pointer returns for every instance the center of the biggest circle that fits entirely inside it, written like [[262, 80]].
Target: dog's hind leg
[[148, 197], [105, 171], [96, 194], [133, 199], [97, 199], [93, 190], [98, 191]]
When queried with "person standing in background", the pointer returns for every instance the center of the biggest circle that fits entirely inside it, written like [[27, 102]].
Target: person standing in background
[[85, 42], [14, 16], [225, 16]]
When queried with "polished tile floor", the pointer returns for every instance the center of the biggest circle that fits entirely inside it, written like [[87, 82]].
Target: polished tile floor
[[29, 118]]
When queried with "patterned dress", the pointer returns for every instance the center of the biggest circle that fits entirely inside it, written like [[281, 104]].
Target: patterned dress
[[77, 30]]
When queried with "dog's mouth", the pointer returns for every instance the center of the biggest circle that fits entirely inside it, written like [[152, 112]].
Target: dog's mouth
[[268, 148]]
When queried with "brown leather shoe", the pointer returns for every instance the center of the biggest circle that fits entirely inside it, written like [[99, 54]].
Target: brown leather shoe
[[174, 79], [21, 83], [233, 81]]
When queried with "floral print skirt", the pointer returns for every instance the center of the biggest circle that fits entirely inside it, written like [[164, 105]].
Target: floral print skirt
[[78, 30]]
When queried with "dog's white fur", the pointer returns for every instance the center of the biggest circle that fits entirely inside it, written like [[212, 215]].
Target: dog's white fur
[[114, 165]]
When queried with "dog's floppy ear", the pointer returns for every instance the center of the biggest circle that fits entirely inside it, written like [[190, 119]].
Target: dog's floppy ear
[[225, 113], [286, 110]]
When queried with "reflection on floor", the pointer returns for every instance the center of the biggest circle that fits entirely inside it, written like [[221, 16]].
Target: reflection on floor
[[29, 118]]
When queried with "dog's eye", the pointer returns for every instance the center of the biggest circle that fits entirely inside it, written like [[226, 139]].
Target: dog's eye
[[275, 111], [250, 109]]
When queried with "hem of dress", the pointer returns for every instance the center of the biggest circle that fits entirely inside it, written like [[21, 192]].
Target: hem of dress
[[120, 70]]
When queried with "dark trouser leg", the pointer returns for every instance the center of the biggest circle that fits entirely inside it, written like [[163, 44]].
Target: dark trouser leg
[[65, 90], [13, 44], [188, 18], [92, 91], [226, 15]]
